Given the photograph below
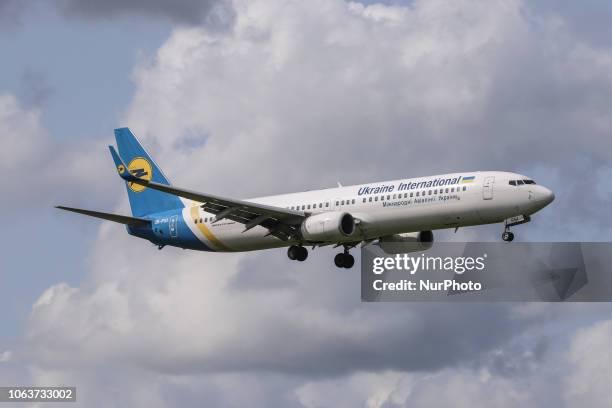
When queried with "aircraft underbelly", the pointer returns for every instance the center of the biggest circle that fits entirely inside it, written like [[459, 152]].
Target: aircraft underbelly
[[420, 218]]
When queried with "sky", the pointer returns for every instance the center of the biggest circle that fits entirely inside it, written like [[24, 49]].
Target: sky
[[248, 98]]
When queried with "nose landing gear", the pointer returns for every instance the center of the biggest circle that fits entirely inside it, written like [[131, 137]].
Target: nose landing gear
[[510, 222], [297, 253]]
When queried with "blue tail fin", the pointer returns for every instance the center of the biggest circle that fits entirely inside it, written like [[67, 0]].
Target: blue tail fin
[[143, 200]]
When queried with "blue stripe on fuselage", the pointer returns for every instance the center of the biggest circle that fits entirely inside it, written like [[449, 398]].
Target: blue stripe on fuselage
[[169, 228]]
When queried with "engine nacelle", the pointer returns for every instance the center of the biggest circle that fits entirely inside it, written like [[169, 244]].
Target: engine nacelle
[[408, 242], [328, 227]]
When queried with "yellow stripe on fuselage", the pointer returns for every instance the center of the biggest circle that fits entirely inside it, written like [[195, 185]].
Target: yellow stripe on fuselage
[[195, 215]]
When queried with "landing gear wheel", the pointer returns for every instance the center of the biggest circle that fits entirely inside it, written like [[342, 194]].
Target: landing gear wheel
[[297, 253], [339, 260], [292, 252], [349, 261], [344, 260], [302, 254], [507, 236]]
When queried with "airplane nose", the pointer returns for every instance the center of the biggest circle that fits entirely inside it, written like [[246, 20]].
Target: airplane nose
[[547, 196]]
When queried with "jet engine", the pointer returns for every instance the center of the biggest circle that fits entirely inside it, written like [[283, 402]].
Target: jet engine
[[408, 242], [328, 227]]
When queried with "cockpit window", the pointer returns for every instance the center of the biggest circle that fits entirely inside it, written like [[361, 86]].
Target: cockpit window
[[529, 181], [519, 182], [512, 182]]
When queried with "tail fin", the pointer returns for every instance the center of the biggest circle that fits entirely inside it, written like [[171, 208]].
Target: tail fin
[[143, 200]]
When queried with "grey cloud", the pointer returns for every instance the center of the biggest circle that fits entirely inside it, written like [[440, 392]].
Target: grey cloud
[[589, 21], [215, 13], [10, 12], [35, 89], [304, 321]]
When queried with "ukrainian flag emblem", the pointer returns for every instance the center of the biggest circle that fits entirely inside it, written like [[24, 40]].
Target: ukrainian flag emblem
[[468, 179]]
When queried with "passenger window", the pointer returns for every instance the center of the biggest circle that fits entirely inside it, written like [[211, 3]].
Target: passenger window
[[382, 198], [364, 199], [389, 197], [326, 204], [337, 203], [436, 191], [353, 202], [417, 193], [411, 195], [512, 182], [447, 191], [370, 199], [394, 196], [405, 195], [303, 207], [452, 189], [376, 198], [429, 192], [464, 188]]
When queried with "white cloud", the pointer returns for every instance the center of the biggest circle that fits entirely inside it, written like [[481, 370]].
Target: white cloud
[[22, 137], [5, 356], [591, 367], [39, 171], [453, 387]]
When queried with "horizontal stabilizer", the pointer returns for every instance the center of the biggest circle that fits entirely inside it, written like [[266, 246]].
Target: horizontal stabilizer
[[122, 219]]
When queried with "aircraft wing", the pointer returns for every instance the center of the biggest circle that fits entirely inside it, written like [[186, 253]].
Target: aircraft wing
[[280, 222]]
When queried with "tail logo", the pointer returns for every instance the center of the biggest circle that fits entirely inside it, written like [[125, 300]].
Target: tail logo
[[141, 168]]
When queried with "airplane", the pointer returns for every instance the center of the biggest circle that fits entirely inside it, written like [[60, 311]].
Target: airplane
[[404, 211]]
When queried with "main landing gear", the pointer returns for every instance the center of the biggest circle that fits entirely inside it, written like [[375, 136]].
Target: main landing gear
[[344, 260], [297, 253]]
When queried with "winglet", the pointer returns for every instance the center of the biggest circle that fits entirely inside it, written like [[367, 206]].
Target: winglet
[[122, 169]]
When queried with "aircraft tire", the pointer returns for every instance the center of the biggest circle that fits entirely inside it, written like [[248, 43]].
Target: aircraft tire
[[349, 261], [292, 252], [339, 260], [302, 254]]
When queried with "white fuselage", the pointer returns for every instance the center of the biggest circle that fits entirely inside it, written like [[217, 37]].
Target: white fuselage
[[391, 207]]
